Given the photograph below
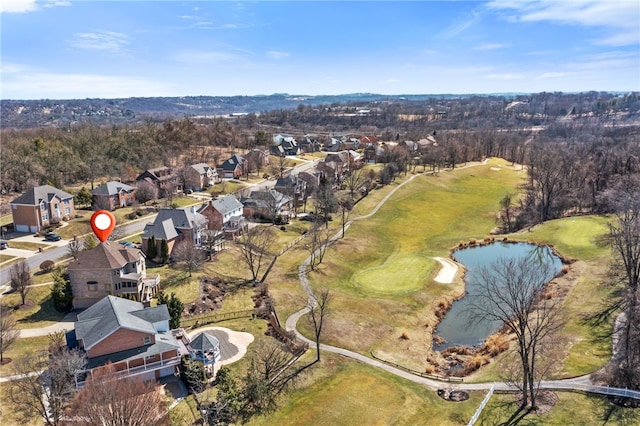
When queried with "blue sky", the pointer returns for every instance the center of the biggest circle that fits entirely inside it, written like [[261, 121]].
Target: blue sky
[[60, 49]]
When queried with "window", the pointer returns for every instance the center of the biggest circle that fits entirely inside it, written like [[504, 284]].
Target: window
[[147, 340], [92, 285], [45, 216], [67, 211]]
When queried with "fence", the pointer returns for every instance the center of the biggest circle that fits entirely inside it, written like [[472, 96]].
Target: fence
[[605, 390], [291, 244], [483, 404], [205, 319], [420, 373]]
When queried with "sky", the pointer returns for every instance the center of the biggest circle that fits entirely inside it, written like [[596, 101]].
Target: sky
[[59, 49]]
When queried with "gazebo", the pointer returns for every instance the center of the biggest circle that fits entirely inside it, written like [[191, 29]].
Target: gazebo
[[206, 348]]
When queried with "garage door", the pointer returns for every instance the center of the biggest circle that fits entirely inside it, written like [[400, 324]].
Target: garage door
[[22, 228], [167, 371]]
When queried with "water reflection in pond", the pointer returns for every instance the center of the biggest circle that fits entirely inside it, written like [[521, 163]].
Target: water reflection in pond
[[456, 328]]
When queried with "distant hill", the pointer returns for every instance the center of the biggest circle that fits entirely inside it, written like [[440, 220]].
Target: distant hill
[[61, 113]]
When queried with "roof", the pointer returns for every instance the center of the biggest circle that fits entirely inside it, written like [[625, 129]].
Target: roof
[[36, 195], [112, 188], [227, 204], [184, 218], [164, 230], [201, 168], [230, 164], [111, 313], [107, 255], [204, 342]]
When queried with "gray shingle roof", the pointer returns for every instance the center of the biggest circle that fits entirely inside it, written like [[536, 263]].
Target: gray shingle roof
[[109, 315], [205, 342], [111, 188], [164, 230], [37, 194], [227, 204], [182, 218], [201, 168]]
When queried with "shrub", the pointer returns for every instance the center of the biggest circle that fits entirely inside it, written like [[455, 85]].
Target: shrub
[[283, 228], [429, 369], [404, 336], [496, 343], [192, 374], [47, 266]]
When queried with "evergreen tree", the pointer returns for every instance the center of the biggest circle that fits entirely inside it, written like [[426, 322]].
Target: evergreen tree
[[175, 307], [61, 292], [152, 249], [164, 251], [83, 197]]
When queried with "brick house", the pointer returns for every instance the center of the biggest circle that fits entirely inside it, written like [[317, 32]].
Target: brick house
[[110, 269], [233, 167], [162, 177], [267, 205], [293, 187], [112, 195], [132, 339], [225, 214], [40, 207], [175, 226], [199, 176]]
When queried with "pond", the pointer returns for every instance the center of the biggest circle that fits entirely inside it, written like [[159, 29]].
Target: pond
[[456, 328]]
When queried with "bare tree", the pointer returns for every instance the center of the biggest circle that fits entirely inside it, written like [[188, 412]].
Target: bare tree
[[8, 330], [212, 240], [254, 246], [318, 310], [625, 243], [511, 292], [46, 384], [354, 182], [21, 279], [146, 191], [75, 247], [346, 205], [317, 243], [112, 401], [191, 257]]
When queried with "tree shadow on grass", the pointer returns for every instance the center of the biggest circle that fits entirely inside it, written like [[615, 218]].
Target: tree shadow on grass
[[45, 311]]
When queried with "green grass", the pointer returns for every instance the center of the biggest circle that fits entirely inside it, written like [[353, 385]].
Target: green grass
[[344, 392], [582, 237], [20, 348], [399, 274], [571, 409], [39, 311]]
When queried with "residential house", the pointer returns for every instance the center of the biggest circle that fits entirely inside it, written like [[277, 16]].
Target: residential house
[[351, 144], [199, 176], [133, 340], [267, 205], [163, 178], [112, 195], [233, 168], [225, 214], [40, 207], [333, 144], [310, 143], [257, 159], [285, 145], [293, 187], [175, 226], [110, 268], [312, 180]]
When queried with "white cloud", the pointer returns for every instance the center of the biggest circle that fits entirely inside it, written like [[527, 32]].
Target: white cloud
[[101, 40], [552, 75], [620, 17], [491, 46], [24, 6], [277, 54], [17, 6]]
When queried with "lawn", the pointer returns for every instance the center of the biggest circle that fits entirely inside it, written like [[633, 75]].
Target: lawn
[[401, 273], [572, 408], [345, 392], [37, 312]]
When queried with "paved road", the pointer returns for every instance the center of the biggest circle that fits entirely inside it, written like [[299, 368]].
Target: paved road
[[59, 251]]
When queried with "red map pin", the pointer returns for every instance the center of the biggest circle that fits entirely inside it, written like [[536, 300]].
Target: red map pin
[[102, 223]]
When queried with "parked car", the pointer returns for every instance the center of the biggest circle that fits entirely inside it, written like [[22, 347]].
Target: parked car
[[127, 244], [3, 244], [52, 236]]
